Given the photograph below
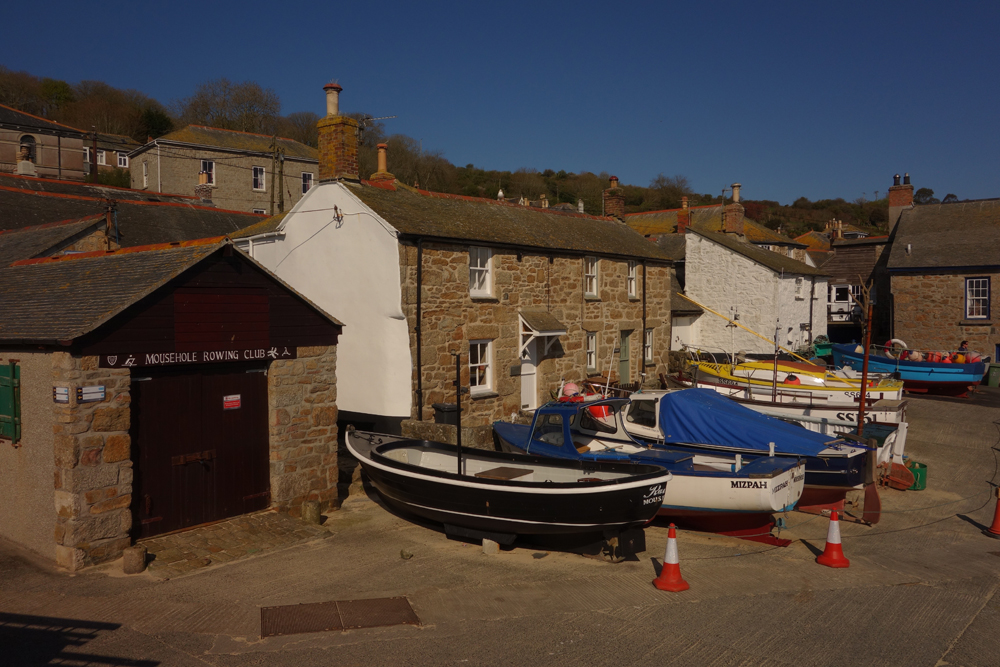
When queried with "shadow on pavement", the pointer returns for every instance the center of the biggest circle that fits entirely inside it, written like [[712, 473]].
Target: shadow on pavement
[[44, 640]]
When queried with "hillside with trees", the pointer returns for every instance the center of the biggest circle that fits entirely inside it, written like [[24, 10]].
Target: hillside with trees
[[249, 107]]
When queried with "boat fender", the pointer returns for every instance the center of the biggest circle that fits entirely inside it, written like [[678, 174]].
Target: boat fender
[[792, 379]]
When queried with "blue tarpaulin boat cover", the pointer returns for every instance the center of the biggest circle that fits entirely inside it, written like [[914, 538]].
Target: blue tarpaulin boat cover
[[703, 416]]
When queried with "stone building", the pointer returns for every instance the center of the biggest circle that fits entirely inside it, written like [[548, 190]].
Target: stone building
[[855, 262], [765, 289], [942, 266], [245, 172], [34, 146], [151, 389], [134, 218], [529, 297]]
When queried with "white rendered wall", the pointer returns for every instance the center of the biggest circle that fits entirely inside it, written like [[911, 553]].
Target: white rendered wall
[[682, 330], [350, 269], [721, 279]]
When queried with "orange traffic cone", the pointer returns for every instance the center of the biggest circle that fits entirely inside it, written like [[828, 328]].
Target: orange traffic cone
[[670, 576], [994, 530], [833, 554]]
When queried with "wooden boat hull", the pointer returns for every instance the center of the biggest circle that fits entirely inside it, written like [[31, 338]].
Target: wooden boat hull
[[763, 390], [628, 497], [918, 376]]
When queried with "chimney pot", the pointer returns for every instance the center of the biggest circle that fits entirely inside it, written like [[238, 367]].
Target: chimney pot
[[614, 181], [895, 179], [684, 203], [382, 160], [906, 179], [736, 193], [579, 205], [202, 178], [500, 195], [333, 98]]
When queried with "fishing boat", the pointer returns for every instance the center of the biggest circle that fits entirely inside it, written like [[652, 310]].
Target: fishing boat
[[700, 420], [944, 373], [477, 493], [829, 420], [789, 382], [718, 491]]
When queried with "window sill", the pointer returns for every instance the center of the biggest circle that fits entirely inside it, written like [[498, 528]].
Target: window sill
[[482, 394], [591, 297], [484, 298], [975, 323], [634, 298]]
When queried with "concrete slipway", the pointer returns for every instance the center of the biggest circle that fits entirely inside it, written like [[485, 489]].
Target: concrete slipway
[[921, 590]]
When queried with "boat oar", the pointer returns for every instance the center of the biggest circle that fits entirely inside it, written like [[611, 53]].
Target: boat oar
[[684, 296]]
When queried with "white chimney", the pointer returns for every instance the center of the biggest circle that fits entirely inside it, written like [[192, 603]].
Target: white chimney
[[500, 195], [333, 98], [579, 205], [736, 193]]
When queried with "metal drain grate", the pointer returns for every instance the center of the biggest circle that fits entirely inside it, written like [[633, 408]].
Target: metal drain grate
[[342, 615]]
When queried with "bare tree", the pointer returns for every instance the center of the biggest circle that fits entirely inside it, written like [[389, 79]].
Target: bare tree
[[246, 106]]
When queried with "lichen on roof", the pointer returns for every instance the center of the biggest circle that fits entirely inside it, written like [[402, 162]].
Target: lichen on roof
[[235, 140], [265, 226]]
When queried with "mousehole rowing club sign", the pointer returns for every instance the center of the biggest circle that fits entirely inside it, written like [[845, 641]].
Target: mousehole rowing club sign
[[198, 357]]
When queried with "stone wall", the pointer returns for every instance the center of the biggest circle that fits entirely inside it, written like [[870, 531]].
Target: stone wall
[[338, 148], [451, 318], [722, 279], [929, 313], [233, 188], [48, 161], [302, 419], [93, 469]]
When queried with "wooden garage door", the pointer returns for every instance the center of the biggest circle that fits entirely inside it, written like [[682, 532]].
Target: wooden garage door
[[199, 445]]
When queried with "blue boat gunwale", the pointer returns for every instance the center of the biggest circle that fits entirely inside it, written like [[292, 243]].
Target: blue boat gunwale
[[975, 368]]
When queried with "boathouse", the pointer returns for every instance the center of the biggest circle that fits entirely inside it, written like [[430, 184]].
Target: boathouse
[[151, 389]]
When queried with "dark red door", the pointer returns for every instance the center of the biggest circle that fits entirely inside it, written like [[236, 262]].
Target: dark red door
[[199, 445]]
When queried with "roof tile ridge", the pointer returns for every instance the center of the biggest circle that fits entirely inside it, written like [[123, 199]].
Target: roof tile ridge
[[51, 225], [252, 134], [54, 122], [176, 245], [495, 202], [96, 185], [673, 210]]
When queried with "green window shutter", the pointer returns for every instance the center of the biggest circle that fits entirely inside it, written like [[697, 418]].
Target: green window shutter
[[10, 401]]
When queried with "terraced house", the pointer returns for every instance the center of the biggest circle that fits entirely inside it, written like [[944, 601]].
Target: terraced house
[[238, 171], [528, 297]]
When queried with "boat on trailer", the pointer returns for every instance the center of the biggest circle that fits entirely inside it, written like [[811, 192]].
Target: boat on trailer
[[944, 373], [497, 495], [715, 491]]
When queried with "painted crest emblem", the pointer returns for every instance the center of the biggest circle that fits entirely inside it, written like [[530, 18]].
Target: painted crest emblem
[[112, 360]]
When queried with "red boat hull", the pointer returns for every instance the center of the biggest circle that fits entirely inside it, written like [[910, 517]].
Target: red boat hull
[[754, 527], [956, 389]]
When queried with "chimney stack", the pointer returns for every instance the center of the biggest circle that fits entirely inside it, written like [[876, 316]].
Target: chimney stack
[[736, 193], [545, 201], [614, 200], [733, 214], [684, 203], [500, 195], [338, 141], [579, 205], [203, 190], [900, 198], [382, 174]]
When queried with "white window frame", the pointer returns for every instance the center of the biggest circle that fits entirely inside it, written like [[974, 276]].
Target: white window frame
[[480, 272], [631, 280], [145, 174], [591, 276], [259, 210], [307, 181], [208, 166], [122, 160], [647, 346], [86, 154], [977, 306], [799, 283], [591, 347], [481, 372], [260, 181], [102, 158]]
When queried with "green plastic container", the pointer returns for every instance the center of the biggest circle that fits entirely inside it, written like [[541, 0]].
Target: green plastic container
[[824, 349], [919, 471], [993, 376]]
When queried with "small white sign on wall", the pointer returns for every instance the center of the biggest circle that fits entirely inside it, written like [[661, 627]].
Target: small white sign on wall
[[90, 394], [60, 394]]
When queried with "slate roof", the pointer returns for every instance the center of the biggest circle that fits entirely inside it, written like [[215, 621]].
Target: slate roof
[[13, 117], [665, 222], [29, 242], [963, 234], [265, 226], [759, 234], [672, 244], [144, 218], [814, 240], [771, 260], [199, 135], [867, 240], [819, 257], [542, 320], [61, 299], [454, 217], [678, 304]]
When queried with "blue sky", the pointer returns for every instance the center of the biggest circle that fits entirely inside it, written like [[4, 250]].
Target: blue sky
[[790, 99]]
